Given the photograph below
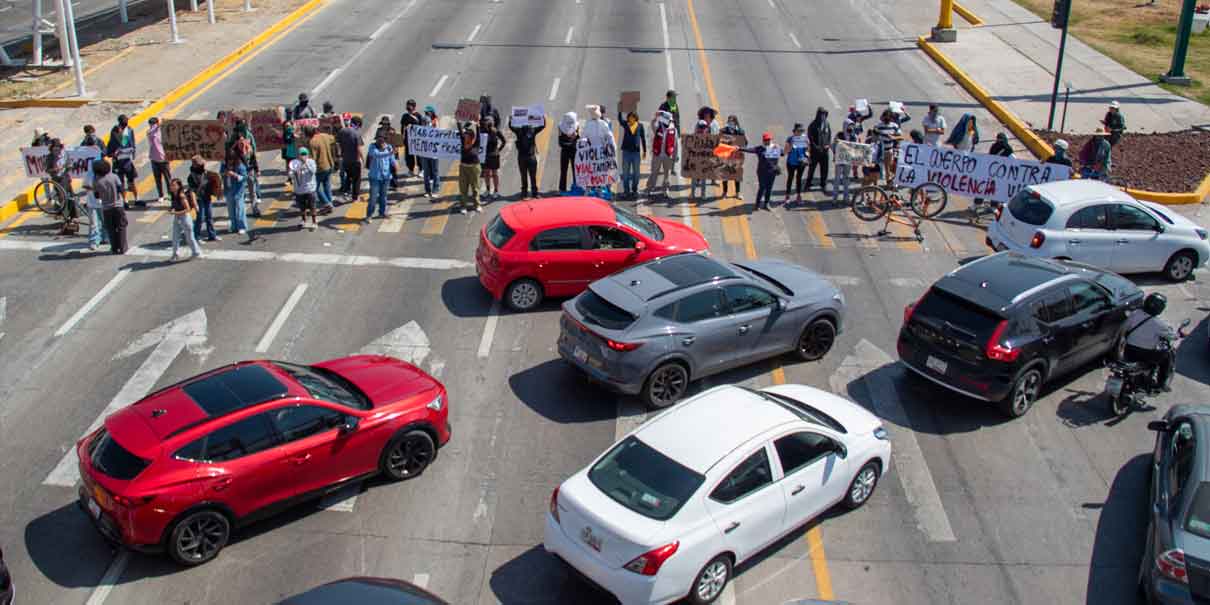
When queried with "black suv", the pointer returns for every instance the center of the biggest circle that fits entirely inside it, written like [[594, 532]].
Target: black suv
[[997, 328]]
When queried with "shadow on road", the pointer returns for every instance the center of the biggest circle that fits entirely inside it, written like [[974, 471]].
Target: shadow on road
[[559, 393], [1121, 534], [536, 577]]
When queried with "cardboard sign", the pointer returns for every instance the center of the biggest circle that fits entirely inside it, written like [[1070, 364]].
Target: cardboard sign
[[856, 154], [436, 143], [629, 102], [699, 161], [331, 124], [79, 160], [266, 126], [302, 123], [395, 139], [595, 165], [981, 175], [184, 139], [468, 111], [530, 115]]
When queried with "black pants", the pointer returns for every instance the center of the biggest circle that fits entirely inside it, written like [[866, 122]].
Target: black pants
[[160, 171], [820, 159], [411, 162], [726, 182], [794, 177], [764, 189], [1164, 362], [567, 162], [529, 168], [115, 226], [353, 169]]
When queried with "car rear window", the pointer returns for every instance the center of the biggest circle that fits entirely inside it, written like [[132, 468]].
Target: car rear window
[[1028, 207], [1198, 519], [498, 232], [966, 317], [595, 309], [644, 480], [110, 458]]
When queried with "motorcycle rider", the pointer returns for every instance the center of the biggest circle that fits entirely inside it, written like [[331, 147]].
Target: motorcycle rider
[[1145, 332]]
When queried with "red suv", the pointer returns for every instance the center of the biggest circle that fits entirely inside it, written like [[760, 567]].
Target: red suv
[[175, 471], [557, 246]]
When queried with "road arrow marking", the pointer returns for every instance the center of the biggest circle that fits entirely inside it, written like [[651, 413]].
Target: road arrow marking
[[169, 340], [867, 367]]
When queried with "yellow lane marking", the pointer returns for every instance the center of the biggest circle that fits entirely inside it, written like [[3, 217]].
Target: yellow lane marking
[[701, 55], [17, 222], [151, 216], [818, 229], [819, 563], [863, 235], [731, 230], [272, 214], [435, 224], [749, 246], [356, 214]]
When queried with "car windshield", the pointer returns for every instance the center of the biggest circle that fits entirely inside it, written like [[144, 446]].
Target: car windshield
[[641, 224], [644, 480], [800, 409], [1198, 519], [773, 283], [327, 385], [1029, 207], [109, 457], [595, 309], [961, 316]]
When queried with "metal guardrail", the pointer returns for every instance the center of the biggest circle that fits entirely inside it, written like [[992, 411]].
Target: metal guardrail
[[81, 21]]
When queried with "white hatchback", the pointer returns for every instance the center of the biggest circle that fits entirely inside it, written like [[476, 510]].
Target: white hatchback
[[1092, 222], [673, 507]]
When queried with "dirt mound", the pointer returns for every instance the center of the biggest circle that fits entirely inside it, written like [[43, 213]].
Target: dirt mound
[[1170, 162]]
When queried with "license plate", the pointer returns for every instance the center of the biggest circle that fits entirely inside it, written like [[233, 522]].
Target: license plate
[[936, 365], [94, 509], [580, 354]]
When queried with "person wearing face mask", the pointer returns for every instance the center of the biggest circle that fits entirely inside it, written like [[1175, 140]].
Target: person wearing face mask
[[702, 127], [493, 143], [569, 133], [468, 171], [665, 143], [600, 134], [432, 178], [303, 108], [410, 117], [634, 149], [767, 156], [819, 138], [734, 129], [121, 150]]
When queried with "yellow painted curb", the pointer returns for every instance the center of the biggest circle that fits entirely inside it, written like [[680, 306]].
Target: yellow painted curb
[[25, 198], [1040, 148], [970, 17], [61, 103]]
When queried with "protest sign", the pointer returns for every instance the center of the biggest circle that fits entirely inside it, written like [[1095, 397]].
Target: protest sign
[[861, 105], [331, 124], [530, 115], [699, 160], [858, 154], [79, 160], [301, 123], [896, 107], [468, 110], [629, 102], [990, 177], [266, 125], [185, 138], [596, 164], [436, 143]]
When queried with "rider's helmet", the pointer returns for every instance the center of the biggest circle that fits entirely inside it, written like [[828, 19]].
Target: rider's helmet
[[1154, 304]]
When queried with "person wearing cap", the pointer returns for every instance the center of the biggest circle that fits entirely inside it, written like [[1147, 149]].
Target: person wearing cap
[[303, 108], [155, 153], [795, 150], [665, 143], [121, 150], [470, 170], [934, 125], [1114, 122], [410, 117], [1096, 157], [302, 171], [767, 157], [669, 105], [1060, 154], [380, 160]]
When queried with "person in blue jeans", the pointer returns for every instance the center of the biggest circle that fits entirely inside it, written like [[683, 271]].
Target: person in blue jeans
[[634, 149], [236, 172], [203, 184], [767, 157], [380, 165]]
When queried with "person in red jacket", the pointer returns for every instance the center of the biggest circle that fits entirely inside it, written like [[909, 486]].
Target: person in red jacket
[[663, 151]]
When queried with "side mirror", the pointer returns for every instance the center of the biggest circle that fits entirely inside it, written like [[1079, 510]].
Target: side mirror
[[782, 303], [639, 246], [1158, 426], [842, 452], [349, 425], [1183, 330]]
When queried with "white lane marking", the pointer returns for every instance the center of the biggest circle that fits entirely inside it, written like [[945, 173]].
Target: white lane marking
[[489, 330], [554, 89], [571, 30], [378, 32], [328, 80], [832, 97], [907, 282], [440, 83], [169, 340], [422, 579], [402, 262], [112, 574], [667, 45], [868, 365], [280, 320], [92, 302], [474, 32], [843, 280], [771, 5], [342, 500], [396, 217], [407, 342], [794, 39]]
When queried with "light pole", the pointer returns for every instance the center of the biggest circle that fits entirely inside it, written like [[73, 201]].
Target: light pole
[[1176, 73], [944, 31], [210, 11], [176, 37], [66, 8]]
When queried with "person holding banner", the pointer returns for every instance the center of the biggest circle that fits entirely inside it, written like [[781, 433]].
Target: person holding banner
[[634, 149], [844, 170], [410, 117], [428, 166], [767, 156], [569, 133], [121, 150]]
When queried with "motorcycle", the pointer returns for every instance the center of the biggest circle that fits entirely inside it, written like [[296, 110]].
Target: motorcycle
[[1130, 382]]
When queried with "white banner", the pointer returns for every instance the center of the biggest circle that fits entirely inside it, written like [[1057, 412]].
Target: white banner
[[596, 165], [990, 177], [531, 115], [857, 154], [79, 160], [436, 143]]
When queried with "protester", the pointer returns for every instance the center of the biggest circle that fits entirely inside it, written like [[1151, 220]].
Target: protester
[[349, 140], [321, 146], [527, 157], [302, 172], [290, 144], [90, 138], [634, 150], [733, 129], [934, 125], [600, 135], [487, 110], [253, 178], [41, 138], [664, 145], [303, 108], [1000, 146], [669, 105], [387, 131], [1096, 157], [469, 170], [410, 117], [767, 156], [853, 125], [795, 151], [121, 150], [183, 205], [844, 171], [569, 134], [328, 110], [432, 178], [965, 134], [108, 188], [493, 144], [205, 186], [1060, 154], [702, 127], [59, 169], [97, 233], [380, 158], [235, 171], [1114, 122], [159, 163]]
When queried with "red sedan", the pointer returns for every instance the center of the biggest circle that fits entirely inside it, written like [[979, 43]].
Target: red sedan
[[557, 246], [177, 470]]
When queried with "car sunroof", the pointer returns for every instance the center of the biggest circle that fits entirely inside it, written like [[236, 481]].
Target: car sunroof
[[235, 389]]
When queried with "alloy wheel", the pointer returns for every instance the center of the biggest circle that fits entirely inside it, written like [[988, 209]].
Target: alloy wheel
[[816, 340], [410, 456], [1026, 393], [524, 295], [863, 485], [1181, 267], [710, 584], [201, 537], [668, 384]]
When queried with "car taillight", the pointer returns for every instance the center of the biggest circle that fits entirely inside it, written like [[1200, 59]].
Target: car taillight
[[554, 505], [999, 210], [1037, 240], [1171, 564], [132, 502], [622, 346], [908, 310], [997, 350], [648, 563]]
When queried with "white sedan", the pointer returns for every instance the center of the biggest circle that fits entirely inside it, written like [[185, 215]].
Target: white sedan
[[672, 508], [1092, 222]]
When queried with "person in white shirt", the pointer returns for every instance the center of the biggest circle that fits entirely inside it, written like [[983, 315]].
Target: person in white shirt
[[934, 126], [302, 178]]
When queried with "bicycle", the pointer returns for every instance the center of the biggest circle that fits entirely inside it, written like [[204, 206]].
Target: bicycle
[[51, 198], [873, 202]]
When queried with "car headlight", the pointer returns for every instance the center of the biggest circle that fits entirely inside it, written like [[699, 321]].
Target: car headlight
[[1201, 233], [436, 404], [880, 433]]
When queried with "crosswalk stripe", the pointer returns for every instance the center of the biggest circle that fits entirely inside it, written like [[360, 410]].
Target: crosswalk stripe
[[17, 222], [272, 214], [355, 214], [863, 236], [151, 216], [818, 229], [435, 224], [397, 215]]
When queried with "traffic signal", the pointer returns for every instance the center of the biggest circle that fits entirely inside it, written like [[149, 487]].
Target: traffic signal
[[1060, 14]]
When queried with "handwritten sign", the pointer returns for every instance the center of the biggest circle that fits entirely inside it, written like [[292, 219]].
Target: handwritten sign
[[331, 124], [436, 143], [266, 126], [184, 139], [698, 160], [467, 111], [629, 102], [302, 123], [530, 115], [596, 165], [79, 160], [981, 175], [857, 154]]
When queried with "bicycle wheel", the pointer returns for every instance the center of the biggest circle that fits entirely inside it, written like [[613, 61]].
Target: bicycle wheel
[[50, 197], [83, 216], [929, 199], [871, 203]]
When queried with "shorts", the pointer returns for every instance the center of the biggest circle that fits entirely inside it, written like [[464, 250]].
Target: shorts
[[306, 201], [491, 162], [125, 170]]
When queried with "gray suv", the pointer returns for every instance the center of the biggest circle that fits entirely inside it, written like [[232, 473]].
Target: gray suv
[[652, 328]]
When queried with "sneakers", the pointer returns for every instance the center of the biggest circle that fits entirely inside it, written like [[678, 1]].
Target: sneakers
[[92, 247], [478, 208], [312, 225], [242, 232], [198, 255], [160, 200], [462, 210], [175, 257]]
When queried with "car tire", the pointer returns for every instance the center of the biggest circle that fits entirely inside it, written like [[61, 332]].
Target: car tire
[[862, 486], [1180, 267], [666, 385], [816, 340], [523, 295], [198, 537], [407, 455], [709, 583], [1024, 393]]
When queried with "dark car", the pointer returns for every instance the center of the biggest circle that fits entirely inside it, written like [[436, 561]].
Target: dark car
[[6, 583], [366, 591], [998, 328], [1176, 559]]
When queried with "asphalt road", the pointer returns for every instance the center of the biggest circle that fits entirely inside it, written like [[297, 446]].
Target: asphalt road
[[1045, 509]]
